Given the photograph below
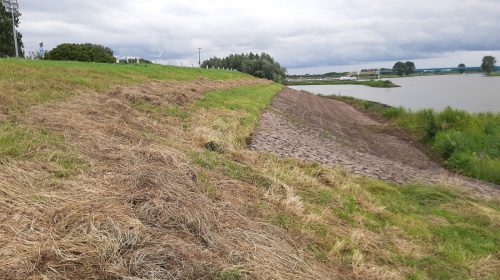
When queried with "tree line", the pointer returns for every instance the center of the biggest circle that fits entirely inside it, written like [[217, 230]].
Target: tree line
[[261, 66], [488, 65]]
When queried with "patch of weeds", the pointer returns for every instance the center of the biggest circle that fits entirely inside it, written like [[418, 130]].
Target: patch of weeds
[[216, 162], [320, 252], [206, 159], [375, 221], [230, 274], [467, 240], [67, 164], [261, 205], [379, 187], [177, 111], [21, 142], [426, 196], [207, 185], [38, 198], [326, 134], [414, 225], [323, 197], [284, 220], [214, 147], [159, 109], [18, 141], [320, 230], [350, 204]]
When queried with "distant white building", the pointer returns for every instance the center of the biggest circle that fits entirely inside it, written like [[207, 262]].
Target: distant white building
[[348, 78]]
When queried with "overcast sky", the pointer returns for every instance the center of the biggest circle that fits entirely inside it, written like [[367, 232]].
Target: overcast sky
[[304, 36]]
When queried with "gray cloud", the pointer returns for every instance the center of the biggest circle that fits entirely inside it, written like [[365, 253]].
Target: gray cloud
[[299, 34]]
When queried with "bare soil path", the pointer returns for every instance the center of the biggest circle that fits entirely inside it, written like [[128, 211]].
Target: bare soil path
[[301, 125]]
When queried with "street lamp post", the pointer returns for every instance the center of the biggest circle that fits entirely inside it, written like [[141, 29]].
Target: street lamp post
[[199, 57], [13, 7]]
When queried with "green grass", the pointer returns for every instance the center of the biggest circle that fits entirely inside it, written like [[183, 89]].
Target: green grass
[[245, 103], [18, 141], [248, 99], [230, 274], [236, 113], [24, 143], [27, 82], [370, 83], [467, 142], [494, 74], [224, 165], [447, 222]]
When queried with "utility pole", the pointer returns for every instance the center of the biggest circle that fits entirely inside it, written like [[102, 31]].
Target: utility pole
[[13, 7], [199, 57]]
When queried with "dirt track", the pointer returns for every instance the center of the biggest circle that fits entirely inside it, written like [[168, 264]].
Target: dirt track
[[301, 125]]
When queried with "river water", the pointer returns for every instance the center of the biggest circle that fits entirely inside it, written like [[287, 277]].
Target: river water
[[473, 92]]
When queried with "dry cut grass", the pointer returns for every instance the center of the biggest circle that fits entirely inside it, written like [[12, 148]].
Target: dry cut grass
[[138, 209]]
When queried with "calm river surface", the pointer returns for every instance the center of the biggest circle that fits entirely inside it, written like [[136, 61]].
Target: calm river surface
[[473, 93]]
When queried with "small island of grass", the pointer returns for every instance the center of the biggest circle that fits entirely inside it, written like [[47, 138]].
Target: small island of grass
[[370, 83]]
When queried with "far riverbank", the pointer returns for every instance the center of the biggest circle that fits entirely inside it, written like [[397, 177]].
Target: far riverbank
[[370, 83]]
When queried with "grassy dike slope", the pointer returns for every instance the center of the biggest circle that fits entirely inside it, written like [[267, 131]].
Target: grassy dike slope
[[107, 173]]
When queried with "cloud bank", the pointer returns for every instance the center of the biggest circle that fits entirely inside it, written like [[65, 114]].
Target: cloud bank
[[299, 34]]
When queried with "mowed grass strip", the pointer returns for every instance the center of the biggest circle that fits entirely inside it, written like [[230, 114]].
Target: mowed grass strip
[[27, 82]]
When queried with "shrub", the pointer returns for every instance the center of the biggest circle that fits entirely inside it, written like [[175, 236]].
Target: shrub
[[450, 118], [81, 52], [426, 120]]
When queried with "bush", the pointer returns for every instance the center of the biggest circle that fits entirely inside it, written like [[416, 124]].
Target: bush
[[452, 119], [426, 120], [81, 52]]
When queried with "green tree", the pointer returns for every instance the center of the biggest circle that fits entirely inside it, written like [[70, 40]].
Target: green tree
[[262, 66], [488, 64], [399, 68], [7, 46], [81, 52], [410, 68], [461, 68]]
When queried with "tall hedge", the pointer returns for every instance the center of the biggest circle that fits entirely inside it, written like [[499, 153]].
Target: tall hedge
[[81, 52]]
